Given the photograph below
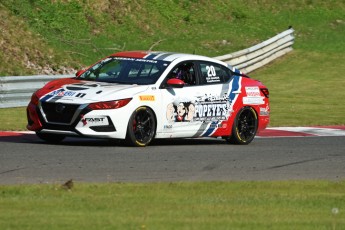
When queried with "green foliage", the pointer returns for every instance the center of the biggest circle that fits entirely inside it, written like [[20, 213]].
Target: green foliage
[[87, 30]]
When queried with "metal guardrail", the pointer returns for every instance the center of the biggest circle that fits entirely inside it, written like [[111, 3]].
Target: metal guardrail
[[16, 91], [259, 55]]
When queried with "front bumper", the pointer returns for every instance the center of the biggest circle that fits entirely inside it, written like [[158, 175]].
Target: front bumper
[[77, 120]]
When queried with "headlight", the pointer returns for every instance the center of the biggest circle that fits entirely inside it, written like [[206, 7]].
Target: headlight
[[34, 99], [109, 104]]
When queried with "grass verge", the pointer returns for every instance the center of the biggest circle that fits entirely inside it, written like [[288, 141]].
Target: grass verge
[[13, 119], [305, 89], [208, 205]]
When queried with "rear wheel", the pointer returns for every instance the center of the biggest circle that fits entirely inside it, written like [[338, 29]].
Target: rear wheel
[[50, 137], [141, 127], [244, 127]]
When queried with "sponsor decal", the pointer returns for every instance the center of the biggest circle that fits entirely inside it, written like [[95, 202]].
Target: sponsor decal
[[136, 59], [147, 98], [212, 107], [94, 120], [207, 111], [62, 93], [204, 108], [212, 126], [212, 97], [265, 111], [253, 96], [253, 101], [253, 91]]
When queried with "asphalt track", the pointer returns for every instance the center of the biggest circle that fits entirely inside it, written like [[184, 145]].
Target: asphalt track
[[277, 154]]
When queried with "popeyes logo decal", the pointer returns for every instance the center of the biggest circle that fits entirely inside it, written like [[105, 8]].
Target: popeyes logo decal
[[204, 108], [147, 98]]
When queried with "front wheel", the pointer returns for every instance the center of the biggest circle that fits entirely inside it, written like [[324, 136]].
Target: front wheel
[[244, 127], [141, 127]]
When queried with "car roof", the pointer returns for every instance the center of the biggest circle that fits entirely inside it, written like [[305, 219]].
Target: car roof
[[163, 56]]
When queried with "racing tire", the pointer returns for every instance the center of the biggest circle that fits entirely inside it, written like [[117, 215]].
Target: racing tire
[[245, 127], [141, 127], [50, 137]]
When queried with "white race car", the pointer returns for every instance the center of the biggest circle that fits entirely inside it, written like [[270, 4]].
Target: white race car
[[140, 95]]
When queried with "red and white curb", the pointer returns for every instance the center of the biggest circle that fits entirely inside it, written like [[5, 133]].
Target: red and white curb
[[323, 131], [14, 133]]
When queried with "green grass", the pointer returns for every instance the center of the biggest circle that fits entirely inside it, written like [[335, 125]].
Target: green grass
[[308, 95], [13, 119], [210, 205]]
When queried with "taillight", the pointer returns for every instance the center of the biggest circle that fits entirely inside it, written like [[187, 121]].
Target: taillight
[[34, 99], [109, 104], [265, 92]]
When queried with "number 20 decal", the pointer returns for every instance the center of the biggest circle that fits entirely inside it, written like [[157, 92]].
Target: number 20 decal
[[211, 71]]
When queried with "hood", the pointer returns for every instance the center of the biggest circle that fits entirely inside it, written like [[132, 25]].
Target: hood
[[74, 91]]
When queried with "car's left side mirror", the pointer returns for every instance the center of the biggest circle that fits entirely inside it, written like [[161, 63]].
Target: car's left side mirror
[[175, 83]]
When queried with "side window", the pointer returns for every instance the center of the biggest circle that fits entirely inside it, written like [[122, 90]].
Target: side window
[[228, 75], [184, 71], [213, 73]]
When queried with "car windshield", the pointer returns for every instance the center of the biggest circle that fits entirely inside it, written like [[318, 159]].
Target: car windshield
[[126, 71]]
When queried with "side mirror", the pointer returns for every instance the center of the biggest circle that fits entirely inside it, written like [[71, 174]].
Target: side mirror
[[80, 72], [175, 83]]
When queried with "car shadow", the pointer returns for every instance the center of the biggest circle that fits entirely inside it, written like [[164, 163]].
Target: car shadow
[[188, 141], [19, 138], [80, 141]]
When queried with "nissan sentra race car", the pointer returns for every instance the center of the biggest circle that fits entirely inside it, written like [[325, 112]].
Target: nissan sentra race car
[[137, 96]]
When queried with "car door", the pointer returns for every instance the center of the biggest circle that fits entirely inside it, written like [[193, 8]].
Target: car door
[[199, 107]]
